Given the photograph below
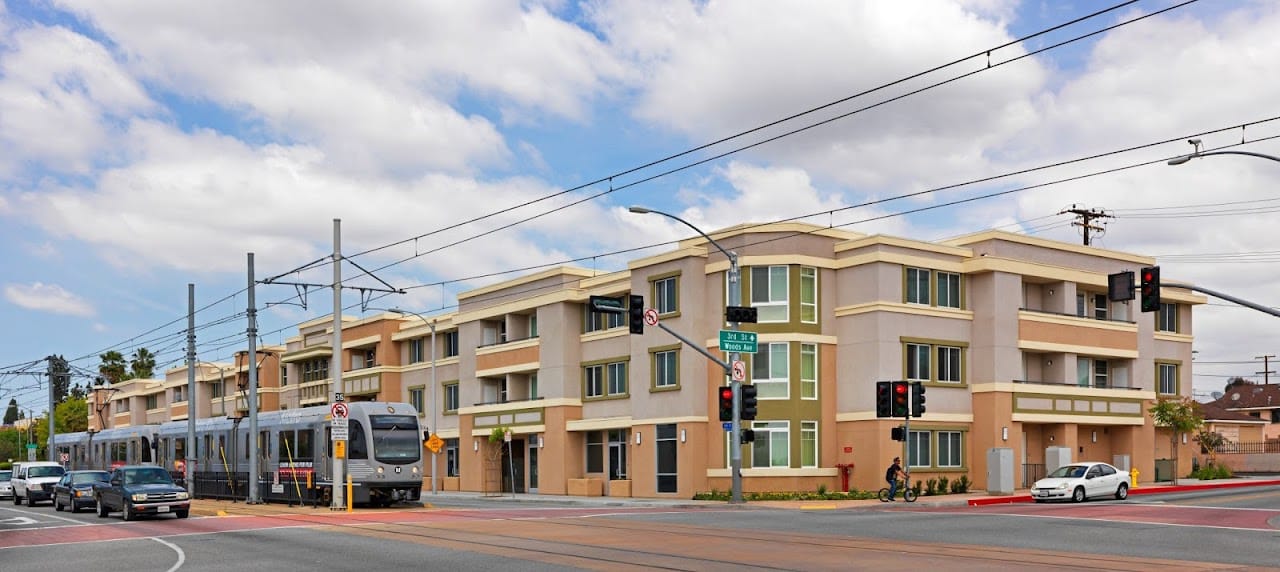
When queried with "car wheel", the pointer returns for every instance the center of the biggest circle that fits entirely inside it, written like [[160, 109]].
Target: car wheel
[[1122, 492], [1078, 495], [17, 499], [102, 509], [74, 508], [128, 513], [182, 514], [31, 501], [57, 506]]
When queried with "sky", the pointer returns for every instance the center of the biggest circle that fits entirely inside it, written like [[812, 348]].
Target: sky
[[145, 146]]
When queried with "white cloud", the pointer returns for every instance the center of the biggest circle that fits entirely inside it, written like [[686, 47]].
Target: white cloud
[[50, 298]]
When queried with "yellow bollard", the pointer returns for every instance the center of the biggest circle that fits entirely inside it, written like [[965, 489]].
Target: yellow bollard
[[1133, 478], [348, 493]]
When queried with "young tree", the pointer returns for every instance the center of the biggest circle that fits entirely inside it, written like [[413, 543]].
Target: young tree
[[1210, 441], [11, 414], [1180, 415], [112, 367], [143, 364]]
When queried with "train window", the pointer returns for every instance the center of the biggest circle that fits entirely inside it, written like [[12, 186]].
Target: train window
[[264, 444], [180, 449], [245, 448], [208, 444], [358, 447], [287, 447], [328, 442], [132, 452], [146, 450], [222, 446], [305, 447]]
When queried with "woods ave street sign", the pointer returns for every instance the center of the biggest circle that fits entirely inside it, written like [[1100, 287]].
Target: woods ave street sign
[[734, 341]]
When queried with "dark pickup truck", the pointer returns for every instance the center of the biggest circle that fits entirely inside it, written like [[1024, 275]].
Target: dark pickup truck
[[140, 490]]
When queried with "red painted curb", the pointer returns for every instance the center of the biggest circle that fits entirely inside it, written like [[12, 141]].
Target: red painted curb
[[1148, 490]]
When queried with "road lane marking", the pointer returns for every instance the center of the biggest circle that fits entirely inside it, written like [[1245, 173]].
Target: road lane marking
[[1109, 520], [43, 514], [182, 556]]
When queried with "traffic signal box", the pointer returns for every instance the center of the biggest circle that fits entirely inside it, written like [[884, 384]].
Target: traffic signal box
[[917, 399], [1150, 288], [635, 311], [726, 403], [900, 398], [748, 411], [884, 403]]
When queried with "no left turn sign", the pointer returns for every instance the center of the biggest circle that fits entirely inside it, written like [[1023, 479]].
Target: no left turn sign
[[651, 317], [739, 371]]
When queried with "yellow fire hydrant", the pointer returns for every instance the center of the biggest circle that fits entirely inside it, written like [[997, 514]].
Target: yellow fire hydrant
[[1133, 478]]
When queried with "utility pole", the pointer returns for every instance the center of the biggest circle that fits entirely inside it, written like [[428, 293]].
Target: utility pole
[[254, 498], [335, 372], [191, 390], [53, 375], [1086, 218], [1266, 368]]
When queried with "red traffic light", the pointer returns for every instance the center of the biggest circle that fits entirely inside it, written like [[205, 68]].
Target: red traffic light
[[726, 393], [900, 388]]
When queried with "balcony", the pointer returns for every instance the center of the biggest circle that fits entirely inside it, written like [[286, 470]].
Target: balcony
[[1059, 402], [504, 400], [1065, 384]]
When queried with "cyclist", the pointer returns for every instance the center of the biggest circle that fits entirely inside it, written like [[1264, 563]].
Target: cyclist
[[891, 475]]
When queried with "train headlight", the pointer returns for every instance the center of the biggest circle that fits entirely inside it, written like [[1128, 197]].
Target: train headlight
[[379, 470]]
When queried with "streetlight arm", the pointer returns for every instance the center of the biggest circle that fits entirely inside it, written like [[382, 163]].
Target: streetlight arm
[[643, 210], [1185, 158]]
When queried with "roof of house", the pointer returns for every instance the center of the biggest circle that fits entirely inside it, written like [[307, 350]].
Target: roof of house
[[1250, 396], [1213, 412]]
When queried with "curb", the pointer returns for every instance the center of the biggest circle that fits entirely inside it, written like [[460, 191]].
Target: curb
[[1149, 490]]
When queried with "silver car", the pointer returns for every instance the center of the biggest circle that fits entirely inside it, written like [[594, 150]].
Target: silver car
[[6, 487]]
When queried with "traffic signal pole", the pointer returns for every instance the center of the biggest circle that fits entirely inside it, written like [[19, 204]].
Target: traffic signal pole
[[735, 439]]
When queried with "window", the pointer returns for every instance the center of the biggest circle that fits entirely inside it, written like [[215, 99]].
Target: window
[[451, 397], [533, 326], [769, 292], [808, 444], [595, 451], [770, 371], [122, 406], [666, 369], [284, 376], [415, 350], [364, 358], [533, 385], [918, 286], [215, 388], [948, 289], [605, 380], [451, 457], [771, 448], [1167, 319], [315, 369], [918, 362], [152, 402], [665, 299], [667, 455], [808, 371], [450, 344], [949, 449], [918, 449], [808, 294], [1090, 302], [179, 394], [415, 399], [1092, 372], [1168, 376], [941, 362], [599, 321]]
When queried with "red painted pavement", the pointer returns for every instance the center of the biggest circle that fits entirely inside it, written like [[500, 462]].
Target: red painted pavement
[[1148, 490], [1255, 519]]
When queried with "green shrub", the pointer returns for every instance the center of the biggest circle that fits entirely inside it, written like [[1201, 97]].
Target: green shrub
[[916, 487], [943, 485], [822, 489], [960, 485], [930, 487]]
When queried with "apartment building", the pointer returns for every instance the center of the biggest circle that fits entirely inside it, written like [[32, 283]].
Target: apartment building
[[1012, 335]]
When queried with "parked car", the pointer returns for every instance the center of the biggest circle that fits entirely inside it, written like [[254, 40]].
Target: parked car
[[75, 489], [34, 481], [138, 490], [1081, 481], [6, 487]]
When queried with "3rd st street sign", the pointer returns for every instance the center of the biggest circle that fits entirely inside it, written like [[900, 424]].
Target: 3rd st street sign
[[735, 341]]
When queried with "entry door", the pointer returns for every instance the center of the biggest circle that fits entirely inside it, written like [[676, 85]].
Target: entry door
[[513, 466], [533, 464]]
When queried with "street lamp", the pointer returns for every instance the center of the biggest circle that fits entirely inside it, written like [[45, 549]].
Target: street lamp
[[431, 324], [1196, 143], [735, 299]]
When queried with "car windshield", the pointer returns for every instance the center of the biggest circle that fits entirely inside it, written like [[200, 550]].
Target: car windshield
[[45, 472], [6, 475], [153, 476], [85, 478], [1069, 472]]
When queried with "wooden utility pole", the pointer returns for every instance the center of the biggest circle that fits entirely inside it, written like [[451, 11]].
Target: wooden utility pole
[[1266, 368], [1086, 218]]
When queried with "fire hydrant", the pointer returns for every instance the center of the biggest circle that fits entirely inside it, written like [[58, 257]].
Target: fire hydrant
[[1133, 478], [845, 471]]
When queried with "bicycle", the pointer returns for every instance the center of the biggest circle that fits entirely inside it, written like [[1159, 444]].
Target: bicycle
[[907, 494]]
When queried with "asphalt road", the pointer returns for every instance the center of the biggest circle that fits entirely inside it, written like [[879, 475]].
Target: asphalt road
[[1185, 531]]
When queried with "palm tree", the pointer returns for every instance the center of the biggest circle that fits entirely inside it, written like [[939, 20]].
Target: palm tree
[[112, 367], [143, 364]]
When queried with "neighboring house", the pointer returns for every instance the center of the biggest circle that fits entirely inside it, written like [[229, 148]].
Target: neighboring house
[[1013, 336], [1234, 426], [1260, 402]]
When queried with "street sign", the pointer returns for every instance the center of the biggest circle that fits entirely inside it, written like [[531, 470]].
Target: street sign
[[735, 341], [338, 409], [435, 443], [607, 305], [728, 426], [739, 371], [338, 429], [340, 449], [64, 457], [651, 317], [339, 396]]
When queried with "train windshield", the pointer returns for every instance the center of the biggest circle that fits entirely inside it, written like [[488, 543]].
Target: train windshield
[[395, 438]]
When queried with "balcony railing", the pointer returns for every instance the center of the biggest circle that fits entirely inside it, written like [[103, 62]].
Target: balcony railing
[[1039, 311], [503, 400], [1072, 384], [1249, 447], [503, 342]]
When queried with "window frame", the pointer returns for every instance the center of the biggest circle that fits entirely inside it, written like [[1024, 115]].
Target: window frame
[[1167, 318], [955, 299], [921, 282], [666, 293], [932, 352], [420, 390], [658, 371], [767, 386], [1173, 368], [765, 438], [808, 289], [956, 449], [446, 389], [913, 453], [611, 374], [809, 445], [809, 351], [773, 300]]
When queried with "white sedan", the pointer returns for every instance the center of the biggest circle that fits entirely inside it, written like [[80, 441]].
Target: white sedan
[[1080, 481]]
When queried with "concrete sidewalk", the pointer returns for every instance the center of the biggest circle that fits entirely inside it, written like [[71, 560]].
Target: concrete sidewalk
[[441, 499]]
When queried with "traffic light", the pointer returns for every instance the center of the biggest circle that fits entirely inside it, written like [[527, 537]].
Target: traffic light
[[748, 435], [741, 314], [884, 403], [917, 399], [900, 397], [635, 308], [898, 433], [1150, 289], [748, 411], [726, 403]]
